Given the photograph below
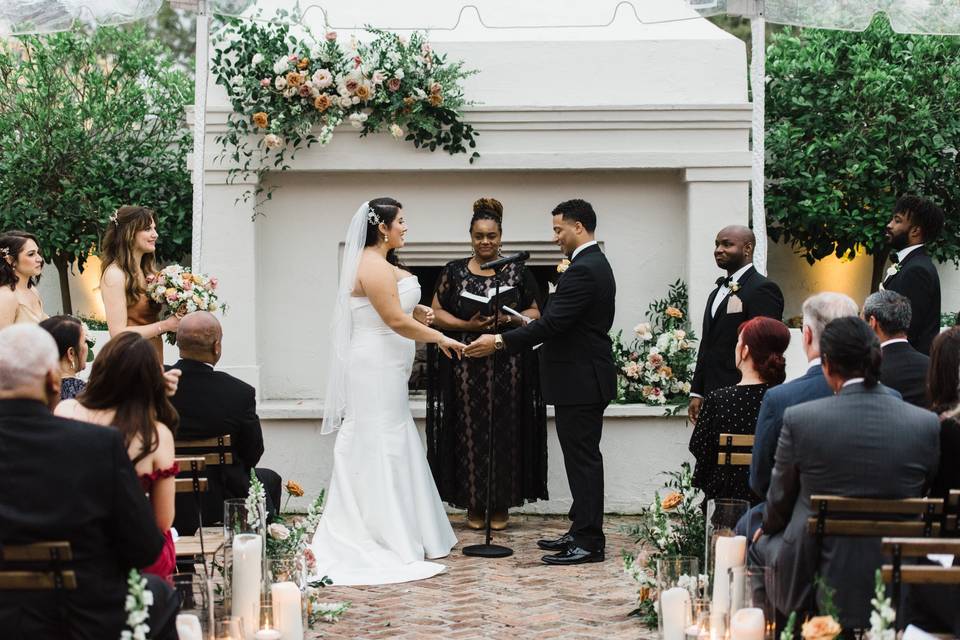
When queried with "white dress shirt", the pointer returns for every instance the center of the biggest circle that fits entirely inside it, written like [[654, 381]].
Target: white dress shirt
[[903, 253], [581, 248], [892, 341], [852, 381], [725, 291]]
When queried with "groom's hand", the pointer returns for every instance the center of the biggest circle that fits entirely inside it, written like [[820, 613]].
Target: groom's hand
[[482, 346]]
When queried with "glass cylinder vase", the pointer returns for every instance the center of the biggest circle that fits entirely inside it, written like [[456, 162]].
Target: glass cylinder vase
[[195, 597], [244, 529], [677, 588], [752, 613], [287, 579], [723, 550]]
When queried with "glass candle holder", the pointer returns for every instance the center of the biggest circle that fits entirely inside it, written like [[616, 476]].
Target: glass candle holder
[[287, 580], [752, 613], [700, 627], [228, 628], [677, 587], [238, 518]]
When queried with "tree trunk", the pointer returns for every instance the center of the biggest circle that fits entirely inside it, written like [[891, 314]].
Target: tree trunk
[[879, 269], [63, 269]]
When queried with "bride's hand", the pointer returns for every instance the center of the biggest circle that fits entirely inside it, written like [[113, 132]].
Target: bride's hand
[[449, 346], [423, 314]]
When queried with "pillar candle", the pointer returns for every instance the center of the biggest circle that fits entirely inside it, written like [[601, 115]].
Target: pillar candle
[[747, 624], [675, 609], [247, 572], [188, 627], [729, 552], [267, 634], [288, 609]]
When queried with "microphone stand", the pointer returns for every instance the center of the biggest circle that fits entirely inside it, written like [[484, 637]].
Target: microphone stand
[[488, 550]]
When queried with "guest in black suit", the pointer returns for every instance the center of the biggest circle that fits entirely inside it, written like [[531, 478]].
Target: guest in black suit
[[213, 403], [577, 373], [903, 367], [743, 294], [916, 222], [862, 442], [67, 480]]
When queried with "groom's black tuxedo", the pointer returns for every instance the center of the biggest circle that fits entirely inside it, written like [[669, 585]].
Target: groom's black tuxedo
[[919, 281], [579, 378], [716, 367]]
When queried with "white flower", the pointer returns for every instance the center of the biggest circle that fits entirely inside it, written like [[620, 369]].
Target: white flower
[[322, 79], [346, 102], [278, 532], [257, 59], [398, 74], [396, 131], [236, 80], [892, 271], [357, 120], [273, 141], [280, 83], [378, 76], [282, 65], [289, 92]]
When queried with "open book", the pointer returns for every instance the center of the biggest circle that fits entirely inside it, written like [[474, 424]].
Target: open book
[[471, 303]]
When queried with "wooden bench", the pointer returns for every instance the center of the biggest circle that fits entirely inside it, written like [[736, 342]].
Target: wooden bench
[[49, 573], [732, 452], [874, 517], [898, 574]]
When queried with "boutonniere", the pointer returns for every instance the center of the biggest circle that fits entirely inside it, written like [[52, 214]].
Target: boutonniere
[[734, 287], [894, 270], [563, 265]]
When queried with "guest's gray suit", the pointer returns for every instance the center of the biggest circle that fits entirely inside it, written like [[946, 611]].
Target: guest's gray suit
[[861, 443]]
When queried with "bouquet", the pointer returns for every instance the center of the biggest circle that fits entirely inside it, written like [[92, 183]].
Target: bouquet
[[182, 292]]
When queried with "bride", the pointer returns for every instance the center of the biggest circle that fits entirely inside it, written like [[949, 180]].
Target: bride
[[383, 514]]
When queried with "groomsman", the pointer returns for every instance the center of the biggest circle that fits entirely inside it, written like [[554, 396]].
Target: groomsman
[[915, 222], [742, 294], [903, 368], [577, 373]]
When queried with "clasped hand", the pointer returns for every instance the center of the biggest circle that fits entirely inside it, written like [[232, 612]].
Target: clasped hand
[[423, 314], [483, 346]]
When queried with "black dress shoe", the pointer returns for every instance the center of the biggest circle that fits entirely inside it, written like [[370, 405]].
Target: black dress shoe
[[574, 555], [560, 544]]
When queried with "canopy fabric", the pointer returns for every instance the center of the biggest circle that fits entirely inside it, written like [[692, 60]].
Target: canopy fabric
[[20, 17]]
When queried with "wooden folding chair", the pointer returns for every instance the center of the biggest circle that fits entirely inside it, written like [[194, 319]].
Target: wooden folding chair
[[874, 517], [736, 450], [38, 567], [898, 574]]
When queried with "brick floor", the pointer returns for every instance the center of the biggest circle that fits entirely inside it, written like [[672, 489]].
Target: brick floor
[[515, 597]]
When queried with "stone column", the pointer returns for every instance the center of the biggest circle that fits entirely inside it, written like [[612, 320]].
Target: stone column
[[716, 197]]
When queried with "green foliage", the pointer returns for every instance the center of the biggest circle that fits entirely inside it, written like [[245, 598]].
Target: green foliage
[[88, 122], [853, 121]]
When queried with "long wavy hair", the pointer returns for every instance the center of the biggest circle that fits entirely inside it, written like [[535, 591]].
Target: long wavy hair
[[118, 244], [127, 378], [13, 242]]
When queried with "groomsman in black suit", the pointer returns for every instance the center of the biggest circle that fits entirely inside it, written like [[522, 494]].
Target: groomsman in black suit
[[916, 222], [577, 373], [67, 480], [213, 403], [743, 294], [903, 368]]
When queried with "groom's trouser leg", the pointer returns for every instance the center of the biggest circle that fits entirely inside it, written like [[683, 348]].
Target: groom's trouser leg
[[579, 428]]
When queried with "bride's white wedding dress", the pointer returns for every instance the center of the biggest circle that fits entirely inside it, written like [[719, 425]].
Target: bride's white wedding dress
[[383, 514]]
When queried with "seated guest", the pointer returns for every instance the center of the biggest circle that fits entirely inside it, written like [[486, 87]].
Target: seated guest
[[943, 383], [818, 311], [71, 337], [903, 368], [127, 391], [213, 403], [759, 358], [862, 443], [66, 480]]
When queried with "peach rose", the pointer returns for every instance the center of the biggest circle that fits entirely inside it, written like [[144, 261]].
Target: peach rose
[[304, 63], [294, 489], [363, 92], [322, 102], [821, 628], [294, 79], [673, 312], [672, 501], [409, 100], [260, 119], [435, 99]]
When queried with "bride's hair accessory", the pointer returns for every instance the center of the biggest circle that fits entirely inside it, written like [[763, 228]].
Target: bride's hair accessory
[[113, 219], [372, 217], [4, 252]]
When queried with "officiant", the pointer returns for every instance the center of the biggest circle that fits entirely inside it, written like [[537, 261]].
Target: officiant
[[458, 391]]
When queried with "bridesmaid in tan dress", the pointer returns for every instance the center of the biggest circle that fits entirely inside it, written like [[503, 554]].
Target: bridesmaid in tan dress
[[127, 262], [20, 268]]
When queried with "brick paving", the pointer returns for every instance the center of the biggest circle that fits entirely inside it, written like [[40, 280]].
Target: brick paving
[[515, 597]]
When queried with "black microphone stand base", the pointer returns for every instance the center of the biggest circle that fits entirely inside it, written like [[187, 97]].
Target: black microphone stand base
[[487, 551]]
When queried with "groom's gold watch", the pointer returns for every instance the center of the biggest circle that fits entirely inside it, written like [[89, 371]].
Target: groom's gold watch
[[497, 341]]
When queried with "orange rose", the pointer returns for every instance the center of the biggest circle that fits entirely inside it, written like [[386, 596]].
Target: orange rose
[[294, 489], [322, 102], [435, 99], [672, 501], [294, 79], [260, 119], [363, 92], [666, 372], [821, 628], [409, 100], [673, 312], [304, 63]]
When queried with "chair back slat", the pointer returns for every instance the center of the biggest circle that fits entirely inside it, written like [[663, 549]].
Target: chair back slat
[[36, 552], [734, 459], [216, 451], [734, 450], [191, 463], [208, 443], [736, 440], [36, 580], [906, 506], [921, 546], [873, 528], [186, 485], [923, 574], [47, 572]]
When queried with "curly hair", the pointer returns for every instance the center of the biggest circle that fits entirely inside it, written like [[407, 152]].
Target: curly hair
[[488, 209]]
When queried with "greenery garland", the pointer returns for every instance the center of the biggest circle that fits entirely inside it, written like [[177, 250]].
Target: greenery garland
[[289, 92]]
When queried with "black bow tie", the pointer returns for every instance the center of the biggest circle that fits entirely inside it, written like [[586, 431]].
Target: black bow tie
[[894, 258], [724, 282]]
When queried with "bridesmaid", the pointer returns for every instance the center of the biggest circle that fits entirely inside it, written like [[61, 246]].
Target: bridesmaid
[[20, 268], [126, 391], [458, 396], [127, 263]]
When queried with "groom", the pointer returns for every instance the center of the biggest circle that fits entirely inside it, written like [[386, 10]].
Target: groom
[[576, 372]]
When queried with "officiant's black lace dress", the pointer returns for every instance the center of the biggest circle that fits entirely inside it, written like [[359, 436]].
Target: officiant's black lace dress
[[458, 407]]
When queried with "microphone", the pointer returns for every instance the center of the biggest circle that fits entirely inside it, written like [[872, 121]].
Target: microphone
[[504, 261]]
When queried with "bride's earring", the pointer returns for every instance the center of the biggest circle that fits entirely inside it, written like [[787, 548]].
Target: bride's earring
[[386, 240]]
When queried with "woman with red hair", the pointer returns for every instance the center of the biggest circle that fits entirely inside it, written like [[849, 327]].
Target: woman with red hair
[[759, 357]]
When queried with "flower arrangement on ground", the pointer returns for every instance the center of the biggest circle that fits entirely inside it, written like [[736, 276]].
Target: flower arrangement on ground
[[670, 526], [182, 292], [282, 87], [825, 626], [656, 367]]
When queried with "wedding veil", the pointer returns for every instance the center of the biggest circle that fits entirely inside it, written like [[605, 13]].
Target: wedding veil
[[335, 401]]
